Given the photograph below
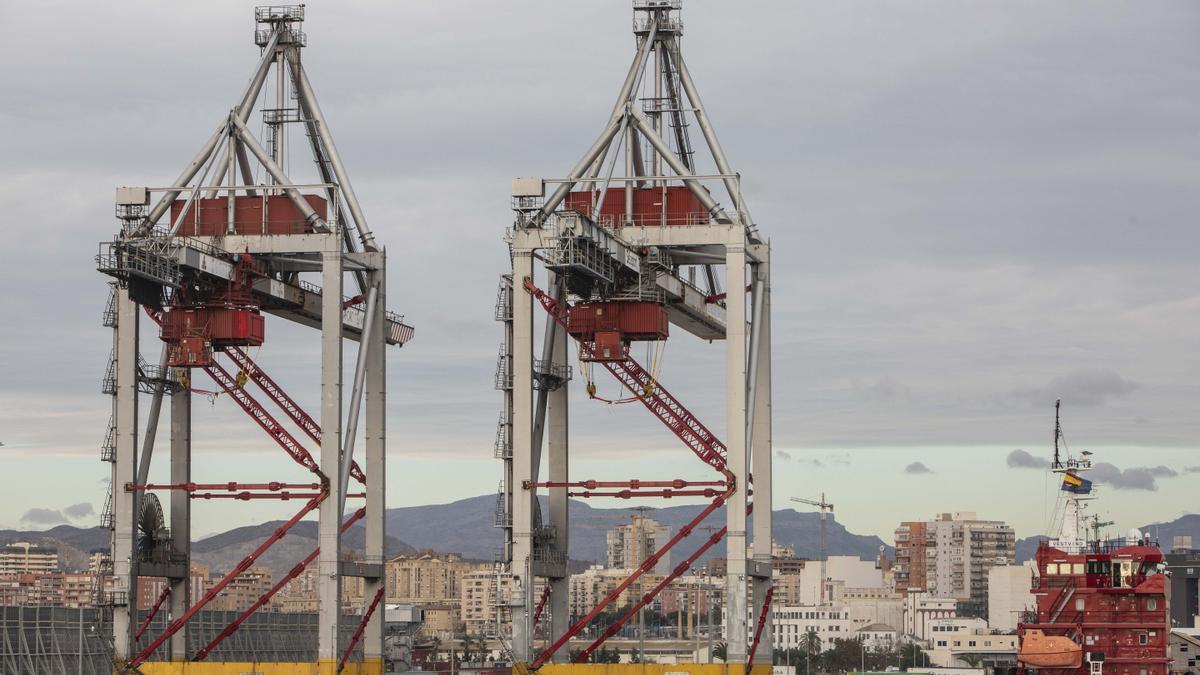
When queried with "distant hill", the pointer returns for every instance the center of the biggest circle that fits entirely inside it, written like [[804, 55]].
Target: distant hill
[[467, 526], [1164, 533], [220, 552]]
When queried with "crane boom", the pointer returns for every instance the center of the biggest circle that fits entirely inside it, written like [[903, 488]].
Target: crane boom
[[824, 507]]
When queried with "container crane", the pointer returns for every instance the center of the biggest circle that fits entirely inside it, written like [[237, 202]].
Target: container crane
[[823, 507]]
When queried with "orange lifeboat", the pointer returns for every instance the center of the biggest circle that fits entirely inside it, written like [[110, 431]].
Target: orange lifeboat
[[1049, 651]]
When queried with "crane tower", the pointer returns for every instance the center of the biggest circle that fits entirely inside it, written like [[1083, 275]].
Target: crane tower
[[205, 258], [638, 240]]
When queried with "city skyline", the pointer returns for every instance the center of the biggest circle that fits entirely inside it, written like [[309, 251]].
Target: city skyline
[[934, 301]]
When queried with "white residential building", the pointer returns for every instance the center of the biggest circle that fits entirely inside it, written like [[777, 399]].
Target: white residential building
[[793, 623], [922, 609], [1009, 595], [949, 647]]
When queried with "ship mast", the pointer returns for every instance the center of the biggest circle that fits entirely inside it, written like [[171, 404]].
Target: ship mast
[[1072, 531]]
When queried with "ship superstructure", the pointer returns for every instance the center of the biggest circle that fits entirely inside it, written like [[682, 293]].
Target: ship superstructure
[[1101, 604]]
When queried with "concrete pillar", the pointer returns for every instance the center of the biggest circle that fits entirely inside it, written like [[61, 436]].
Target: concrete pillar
[[523, 499], [329, 591], [557, 443], [760, 457], [376, 467], [125, 470], [181, 514], [736, 631]]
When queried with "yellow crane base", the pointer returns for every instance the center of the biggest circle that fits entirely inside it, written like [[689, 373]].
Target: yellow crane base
[[325, 667], [643, 669]]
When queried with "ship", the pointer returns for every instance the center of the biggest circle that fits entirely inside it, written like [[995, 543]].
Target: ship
[[1101, 604]]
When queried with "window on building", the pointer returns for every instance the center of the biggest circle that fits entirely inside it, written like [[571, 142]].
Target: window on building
[[1143, 639], [971, 643], [1077, 568], [1079, 604], [1051, 568], [1151, 603], [941, 643], [957, 643]]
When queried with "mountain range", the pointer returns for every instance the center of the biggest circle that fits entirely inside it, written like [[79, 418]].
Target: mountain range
[[467, 526]]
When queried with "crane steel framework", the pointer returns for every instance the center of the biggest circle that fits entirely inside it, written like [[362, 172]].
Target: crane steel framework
[[234, 247], [623, 255]]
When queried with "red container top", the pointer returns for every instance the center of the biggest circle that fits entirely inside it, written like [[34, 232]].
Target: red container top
[[273, 214], [671, 205]]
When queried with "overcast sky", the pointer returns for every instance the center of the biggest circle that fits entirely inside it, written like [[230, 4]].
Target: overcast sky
[[974, 208]]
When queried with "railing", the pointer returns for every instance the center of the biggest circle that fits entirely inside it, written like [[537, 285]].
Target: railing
[[272, 13]]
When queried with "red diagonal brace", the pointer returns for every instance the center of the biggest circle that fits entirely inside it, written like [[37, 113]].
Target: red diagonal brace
[[645, 599], [758, 629], [537, 611], [220, 585], [362, 626], [259, 414], [266, 597], [286, 403], [153, 612], [647, 565], [668, 409]]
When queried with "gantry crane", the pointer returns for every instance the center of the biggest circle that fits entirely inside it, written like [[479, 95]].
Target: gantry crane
[[823, 506], [629, 255]]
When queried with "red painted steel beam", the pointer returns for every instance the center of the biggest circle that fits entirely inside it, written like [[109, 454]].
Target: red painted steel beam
[[661, 494], [647, 565], [153, 612], [259, 414], [632, 484], [248, 496], [266, 597], [645, 388], [670, 411], [225, 581], [650, 595], [232, 487], [362, 626], [537, 612], [762, 621], [286, 403]]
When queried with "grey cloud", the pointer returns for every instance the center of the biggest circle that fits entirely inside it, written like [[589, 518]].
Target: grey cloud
[[1192, 469], [1076, 182], [1090, 387], [38, 516], [77, 511], [882, 389], [1134, 478], [1020, 459], [785, 456], [917, 468]]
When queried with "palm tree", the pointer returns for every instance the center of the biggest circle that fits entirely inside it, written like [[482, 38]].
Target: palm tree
[[972, 660], [811, 644]]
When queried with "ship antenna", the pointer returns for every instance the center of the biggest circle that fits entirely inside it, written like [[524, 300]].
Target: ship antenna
[[1057, 433]]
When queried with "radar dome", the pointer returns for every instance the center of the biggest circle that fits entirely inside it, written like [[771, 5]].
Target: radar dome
[[1134, 535]]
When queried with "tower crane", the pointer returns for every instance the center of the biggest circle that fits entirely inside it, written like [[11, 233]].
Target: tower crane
[[823, 506]]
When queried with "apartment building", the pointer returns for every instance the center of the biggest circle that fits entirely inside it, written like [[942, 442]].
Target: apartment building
[[25, 558], [949, 557], [427, 577], [630, 545]]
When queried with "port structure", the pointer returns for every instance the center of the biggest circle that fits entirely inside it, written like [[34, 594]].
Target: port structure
[[206, 258], [626, 258]]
